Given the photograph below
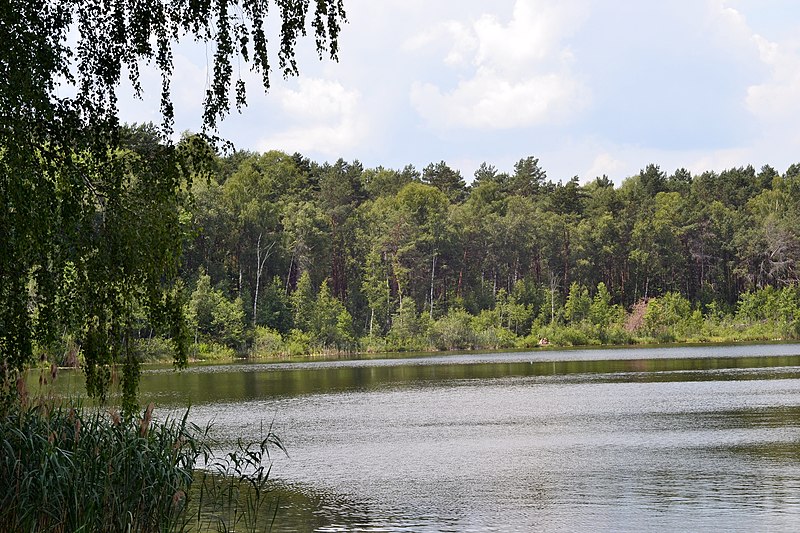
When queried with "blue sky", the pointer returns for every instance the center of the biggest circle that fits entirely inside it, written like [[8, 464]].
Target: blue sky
[[590, 87]]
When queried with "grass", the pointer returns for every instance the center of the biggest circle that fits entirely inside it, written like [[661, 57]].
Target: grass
[[68, 469], [231, 492]]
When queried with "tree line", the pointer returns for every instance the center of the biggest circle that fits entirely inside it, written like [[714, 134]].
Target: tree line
[[287, 255]]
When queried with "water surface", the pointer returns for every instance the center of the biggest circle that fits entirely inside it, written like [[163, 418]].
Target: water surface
[[688, 438]]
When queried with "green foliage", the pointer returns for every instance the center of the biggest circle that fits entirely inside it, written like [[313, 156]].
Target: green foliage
[[114, 38], [568, 335], [155, 349], [275, 310], [212, 351], [331, 324], [105, 247], [601, 311], [299, 342], [92, 217], [303, 302], [213, 316], [70, 469], [565, 254], [779, 310], [305, 232], [386, 182], [377, 290], [670, 316], [64, 469], [511, 310], [528, 177], [453, 331], [266, 342], [578, 304], [494, 338], [489, 333], [408, 330], [445, 179]]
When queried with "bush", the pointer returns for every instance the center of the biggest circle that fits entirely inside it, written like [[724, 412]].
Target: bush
[[668, 316], [495, 337], [570, 336], [618, 336], [212, 351], [778, 309], [298, 343], [266, 342], [154, 350], [213, 316], [407, 331], [453, 331], [374, 344]]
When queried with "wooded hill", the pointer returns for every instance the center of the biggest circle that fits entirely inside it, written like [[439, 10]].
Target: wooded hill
[[284, 254]]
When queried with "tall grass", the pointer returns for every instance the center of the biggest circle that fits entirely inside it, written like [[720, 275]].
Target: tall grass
[[230, 493], [67, 469]]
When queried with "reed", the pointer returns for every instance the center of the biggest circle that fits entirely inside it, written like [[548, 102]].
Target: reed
[[232, 491], [68, 469]]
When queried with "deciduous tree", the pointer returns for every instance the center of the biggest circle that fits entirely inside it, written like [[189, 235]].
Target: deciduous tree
[[72, 203]]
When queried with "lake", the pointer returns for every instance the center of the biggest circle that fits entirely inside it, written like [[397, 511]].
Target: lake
[[640, 439]]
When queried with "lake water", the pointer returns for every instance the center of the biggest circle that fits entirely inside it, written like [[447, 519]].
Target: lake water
[[680, 439]]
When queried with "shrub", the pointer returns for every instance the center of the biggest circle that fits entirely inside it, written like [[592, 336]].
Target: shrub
[[213, 316], [207, 351], [374, 344], [154, 349], [407, 331], [572, 336], [777, 309], [668, 315], [453, 331], [618, 336], [266, 342], [298, 343], [495, 337]]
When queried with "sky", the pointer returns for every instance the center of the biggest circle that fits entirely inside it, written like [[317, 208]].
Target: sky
[[589, 87]]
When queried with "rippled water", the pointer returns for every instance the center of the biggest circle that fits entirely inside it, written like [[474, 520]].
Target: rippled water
[[691, 438]]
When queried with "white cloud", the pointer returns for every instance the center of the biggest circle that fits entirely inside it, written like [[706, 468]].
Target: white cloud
[[463, 41], [604, 164], [588, 86], [719, 160], [490, 101], [731, 25], [778, 97], [533, 34], [187, 80], [774, 100], [325, 115], [520, 70], [318, 100]]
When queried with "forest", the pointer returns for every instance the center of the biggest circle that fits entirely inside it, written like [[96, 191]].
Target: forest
[[287, 256]]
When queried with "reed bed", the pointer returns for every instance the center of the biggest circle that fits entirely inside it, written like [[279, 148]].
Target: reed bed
[[69, 469]]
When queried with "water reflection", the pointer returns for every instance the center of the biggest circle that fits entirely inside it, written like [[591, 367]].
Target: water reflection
[[245, 382], [599, 440]]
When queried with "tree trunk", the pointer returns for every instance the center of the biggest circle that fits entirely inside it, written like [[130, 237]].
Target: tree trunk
[[433, 271], [259, 269], [371, 319]]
